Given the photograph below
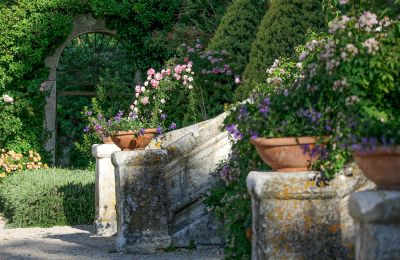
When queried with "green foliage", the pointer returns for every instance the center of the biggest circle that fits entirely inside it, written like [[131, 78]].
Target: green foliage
[[198, 19], [31, 30], [231, 201], [47, 198], [283, 27], [237, 31]]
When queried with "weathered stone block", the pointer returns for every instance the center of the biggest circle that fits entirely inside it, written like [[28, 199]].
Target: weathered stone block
[[292, 218], [141, 201], [106, 221], [377, 219]]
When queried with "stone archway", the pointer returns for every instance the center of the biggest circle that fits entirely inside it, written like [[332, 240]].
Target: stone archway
[[82, 24]]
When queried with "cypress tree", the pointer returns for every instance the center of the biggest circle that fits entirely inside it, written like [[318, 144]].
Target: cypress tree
[[237, 31], [283, 27]]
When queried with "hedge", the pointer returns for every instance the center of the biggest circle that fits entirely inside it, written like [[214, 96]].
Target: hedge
[[237, 31], [45, 198], [283, 27]]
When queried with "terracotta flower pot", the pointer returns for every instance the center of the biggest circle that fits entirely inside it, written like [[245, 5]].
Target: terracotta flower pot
[[107, 140], [126, 140], [381, 166], [289, 154]]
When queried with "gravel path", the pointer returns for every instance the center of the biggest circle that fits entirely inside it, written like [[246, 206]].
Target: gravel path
[[77, 242]]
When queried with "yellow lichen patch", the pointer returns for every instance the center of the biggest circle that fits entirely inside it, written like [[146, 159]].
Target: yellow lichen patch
[[334, 228]]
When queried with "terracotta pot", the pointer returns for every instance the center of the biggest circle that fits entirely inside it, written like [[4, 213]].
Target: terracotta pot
[[381, 166], [107, 140], [126, 140], [286, 154]]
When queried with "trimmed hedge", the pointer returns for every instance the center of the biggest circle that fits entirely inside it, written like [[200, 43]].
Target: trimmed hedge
[[52, 197], [237, 31], [283, 27]]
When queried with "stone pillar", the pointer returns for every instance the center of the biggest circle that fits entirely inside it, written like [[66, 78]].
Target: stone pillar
[[377, 218], [292, 218], [141, 201], [106, 221]]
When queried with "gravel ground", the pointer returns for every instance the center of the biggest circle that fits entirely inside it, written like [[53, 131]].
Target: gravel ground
[[78, 242]]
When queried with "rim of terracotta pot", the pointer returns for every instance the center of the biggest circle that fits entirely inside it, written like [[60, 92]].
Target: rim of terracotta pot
[[282, 141], [379, 151], [130, 132]]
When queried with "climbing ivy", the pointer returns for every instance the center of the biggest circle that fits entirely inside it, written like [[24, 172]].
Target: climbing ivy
[[32, 29]]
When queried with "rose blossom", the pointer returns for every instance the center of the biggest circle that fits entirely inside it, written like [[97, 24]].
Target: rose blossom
[[178, 69], [154, 83], [137, 95], [158, 76], [142, 89], [145, 100], [146, 83], [137, 89], [151, 72], [168, 72], [162, 101], [8, 99]]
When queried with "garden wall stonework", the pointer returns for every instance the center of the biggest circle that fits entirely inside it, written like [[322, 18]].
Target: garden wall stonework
[[192, 154], [293, 218]]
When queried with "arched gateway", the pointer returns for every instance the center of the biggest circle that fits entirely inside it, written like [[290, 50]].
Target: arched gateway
[[82, 24]]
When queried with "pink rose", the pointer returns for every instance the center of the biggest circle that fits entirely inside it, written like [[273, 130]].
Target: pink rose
[[8, 99], [145, 100], [151, 72], [137, 89], [178, 69], [158, 76], [154, 83], [177, 76], [137, 95], [237, 80], [168, 72], [186, 60]]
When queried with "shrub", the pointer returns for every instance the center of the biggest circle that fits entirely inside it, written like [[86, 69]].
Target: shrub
[[49, 197], [283, 27], [237, 31]]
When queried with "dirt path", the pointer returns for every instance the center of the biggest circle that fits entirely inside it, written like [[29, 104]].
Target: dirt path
[[77, 242]]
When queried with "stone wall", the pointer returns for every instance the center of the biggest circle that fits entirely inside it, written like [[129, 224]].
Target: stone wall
[[193, 154], [295, 219]]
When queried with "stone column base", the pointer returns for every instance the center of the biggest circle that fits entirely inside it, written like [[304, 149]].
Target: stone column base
[[377, 218], [105, 221], [292, 217], [141, 201]]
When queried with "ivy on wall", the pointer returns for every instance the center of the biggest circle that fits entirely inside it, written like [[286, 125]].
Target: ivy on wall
[[32, 29]]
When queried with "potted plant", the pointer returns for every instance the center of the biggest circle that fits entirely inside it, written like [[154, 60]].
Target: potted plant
[[285, 128], [358, 66]]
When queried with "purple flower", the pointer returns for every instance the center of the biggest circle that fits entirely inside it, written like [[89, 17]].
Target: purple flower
[[86, 129], [263, 108], [172, 126], [118, 117], [99, 116], [98, 128], [243, 113], [232, 130], [159, 130], [253, 134], [141, 132], [163, 116], [133, 116], [89, 113]]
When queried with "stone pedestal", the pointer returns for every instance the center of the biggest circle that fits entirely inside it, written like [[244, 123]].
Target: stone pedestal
[[377, 218], [292, 218], [141, 201], [105, 222]]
